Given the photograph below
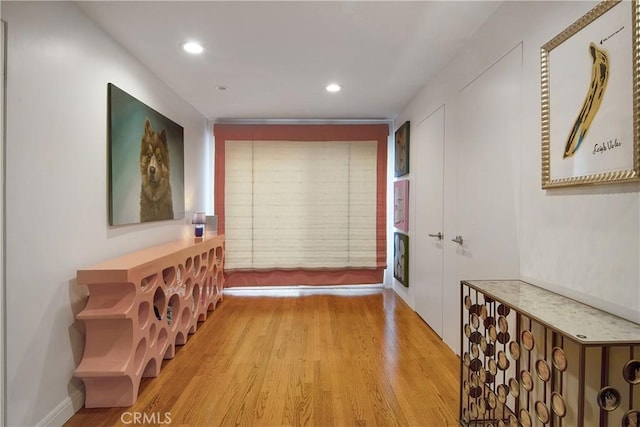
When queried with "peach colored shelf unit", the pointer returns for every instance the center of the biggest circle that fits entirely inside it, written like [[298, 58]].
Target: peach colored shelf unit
[[140, 307]]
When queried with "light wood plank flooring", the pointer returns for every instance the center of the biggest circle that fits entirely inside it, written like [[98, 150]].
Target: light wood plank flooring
[[313, 360]]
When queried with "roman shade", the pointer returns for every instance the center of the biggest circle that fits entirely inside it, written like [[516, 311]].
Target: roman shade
[[302, 204]]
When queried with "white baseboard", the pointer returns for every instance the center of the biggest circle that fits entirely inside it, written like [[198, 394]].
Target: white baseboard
[[65, 410], [301, 290]]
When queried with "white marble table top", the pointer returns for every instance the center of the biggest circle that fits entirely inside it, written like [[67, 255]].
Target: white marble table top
[[580, 322]]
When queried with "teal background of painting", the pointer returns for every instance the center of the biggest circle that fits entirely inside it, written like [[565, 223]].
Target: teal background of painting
[[126, 127]]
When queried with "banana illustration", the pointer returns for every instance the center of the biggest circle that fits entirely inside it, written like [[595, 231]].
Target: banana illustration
[[599, 79]]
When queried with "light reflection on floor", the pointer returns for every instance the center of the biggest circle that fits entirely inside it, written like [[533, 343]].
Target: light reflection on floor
[[298, 291]]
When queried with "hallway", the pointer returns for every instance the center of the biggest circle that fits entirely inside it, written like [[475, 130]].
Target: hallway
[[318, 358]]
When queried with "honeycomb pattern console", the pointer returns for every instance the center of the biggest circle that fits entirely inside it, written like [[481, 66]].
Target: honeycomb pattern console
[[140, 307]]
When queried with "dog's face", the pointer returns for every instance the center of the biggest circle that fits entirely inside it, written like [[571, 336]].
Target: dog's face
[[154, 161]]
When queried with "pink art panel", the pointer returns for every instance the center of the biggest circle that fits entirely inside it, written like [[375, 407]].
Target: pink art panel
[[401, 205]]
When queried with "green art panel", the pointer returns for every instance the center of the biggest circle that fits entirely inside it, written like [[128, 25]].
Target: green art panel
[[401, 258]]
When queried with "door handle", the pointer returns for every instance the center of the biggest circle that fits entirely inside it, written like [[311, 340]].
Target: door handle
[[458, 239], [439, 236]]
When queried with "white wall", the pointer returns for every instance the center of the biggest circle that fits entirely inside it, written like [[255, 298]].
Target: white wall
[[2, 204], [582, 242], [59, 64]]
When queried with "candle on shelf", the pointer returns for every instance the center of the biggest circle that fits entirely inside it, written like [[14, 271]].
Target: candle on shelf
[[199, 219]]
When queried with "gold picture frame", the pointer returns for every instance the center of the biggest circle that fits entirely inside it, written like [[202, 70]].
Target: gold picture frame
[[592, 138]]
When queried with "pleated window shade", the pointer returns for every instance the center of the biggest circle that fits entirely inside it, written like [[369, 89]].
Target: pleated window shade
[[302, 204]]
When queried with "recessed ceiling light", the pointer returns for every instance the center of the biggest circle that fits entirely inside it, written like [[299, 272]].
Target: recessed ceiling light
[[333, 87], [193, 47]]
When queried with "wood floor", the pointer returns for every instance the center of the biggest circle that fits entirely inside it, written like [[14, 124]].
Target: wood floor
[[313, 360]]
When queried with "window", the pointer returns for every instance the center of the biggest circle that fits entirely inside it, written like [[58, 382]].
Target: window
[[302, 204]]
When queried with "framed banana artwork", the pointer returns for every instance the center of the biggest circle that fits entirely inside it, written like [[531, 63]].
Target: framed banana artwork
[[590, 86]]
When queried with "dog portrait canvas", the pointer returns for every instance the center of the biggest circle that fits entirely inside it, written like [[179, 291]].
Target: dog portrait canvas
[[146, 156]]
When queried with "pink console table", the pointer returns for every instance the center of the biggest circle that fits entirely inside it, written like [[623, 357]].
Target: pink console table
[[140, 307]]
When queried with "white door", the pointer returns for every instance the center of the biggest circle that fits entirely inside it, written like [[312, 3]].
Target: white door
[[488, 184], [427, 142], [489, 171]]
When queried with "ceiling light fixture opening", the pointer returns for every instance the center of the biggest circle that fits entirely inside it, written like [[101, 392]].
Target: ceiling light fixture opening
[[193, 47], [333, 87]]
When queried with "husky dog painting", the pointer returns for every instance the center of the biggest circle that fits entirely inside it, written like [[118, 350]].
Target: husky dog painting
[[146, 162], [155, 196]]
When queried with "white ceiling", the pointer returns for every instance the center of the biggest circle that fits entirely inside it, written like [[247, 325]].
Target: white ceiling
[[277, 57]]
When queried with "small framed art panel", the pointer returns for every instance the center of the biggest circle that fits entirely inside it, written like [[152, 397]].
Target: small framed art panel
[[401, 258], [401, 205], [402, 150]]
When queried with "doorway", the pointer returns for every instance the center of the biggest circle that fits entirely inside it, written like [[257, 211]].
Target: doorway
[[488, 184], [428, 213]]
